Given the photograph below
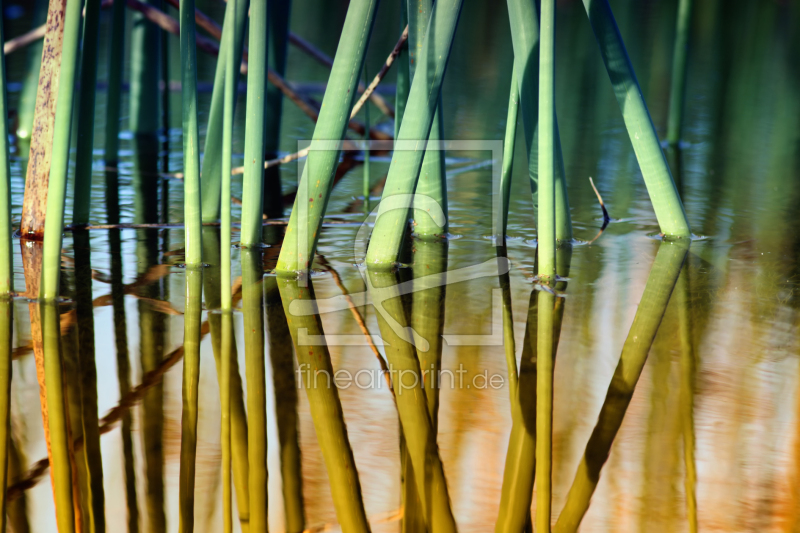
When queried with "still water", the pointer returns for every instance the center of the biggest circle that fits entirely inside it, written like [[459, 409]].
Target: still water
[[710, 438]]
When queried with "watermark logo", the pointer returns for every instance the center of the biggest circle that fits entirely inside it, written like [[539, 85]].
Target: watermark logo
[[308, 214]]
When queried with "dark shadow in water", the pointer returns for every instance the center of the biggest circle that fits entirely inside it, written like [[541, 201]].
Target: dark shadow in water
[[316, 371], [653, 304], [152, 327], [121, 344]]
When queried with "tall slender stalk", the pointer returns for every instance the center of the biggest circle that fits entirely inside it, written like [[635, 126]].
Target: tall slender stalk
[[26, 108], [432, 179], [86, 102], [677, 90], [59, 164], [60, 463], [391, 224], [508, 152], [226, 349], [280, 12], [255, 132], [191, 137], [525, 38], [403, 84], [144, 76], [191, 376], [6, 338], [116, 64], [655, 170], [305, 224], [315, 368], [653, 304], [255, 368], [34, 205], [235, 23], [6, 253]]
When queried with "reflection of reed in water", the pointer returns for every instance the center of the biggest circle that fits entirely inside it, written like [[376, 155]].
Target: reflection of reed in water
[[281, 357], [255, 368], [412, 405], [6, 336], [238, 416], [193, 310], [653, 304], [315, 367]]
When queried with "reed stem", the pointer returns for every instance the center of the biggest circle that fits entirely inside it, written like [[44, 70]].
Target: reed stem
[[403, 83], [509, 142], [431, 184], [229, 92], [116, 64], [235, 23], [59, 163], [191, 142], [404, 171], [144, 75], [677, 91], [26, 108], [305, 223], [82, 198], [6, 252], [255, 132], [365, 175], [546, 216], [655, 170]]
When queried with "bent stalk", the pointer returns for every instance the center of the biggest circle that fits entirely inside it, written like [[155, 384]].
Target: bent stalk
[[655, 170], [390, 226]]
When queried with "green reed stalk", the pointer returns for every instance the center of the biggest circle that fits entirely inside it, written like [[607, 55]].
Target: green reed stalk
[[82, 198], [191, 376], [432, 178], [255, 368], [525, 38], [404, 171], [144, 76], [652, 306], [278, 48], [6, 342], [677, 90], [305, 223], [6, 252], [26, 108], [60, 467], [255, 126], [315, 369], [546, 216], [655, 170], [191, 137], [59, 163], [234, 23], [365, 175], [508, 152], [227, 154], [403, 84], [225, 422], [412, 404], [286, 390], [116, 65]]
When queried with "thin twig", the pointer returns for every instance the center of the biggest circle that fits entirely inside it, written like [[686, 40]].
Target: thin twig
[[606, 217], [359, 320]]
